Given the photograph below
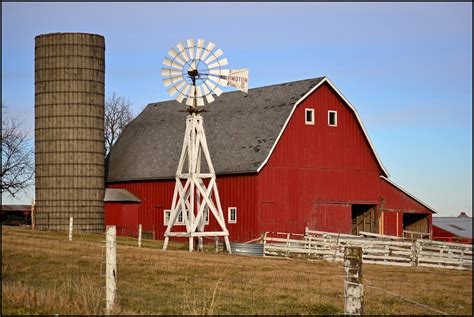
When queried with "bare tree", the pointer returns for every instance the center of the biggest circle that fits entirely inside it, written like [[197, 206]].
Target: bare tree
[[17, 156], [117, 115]]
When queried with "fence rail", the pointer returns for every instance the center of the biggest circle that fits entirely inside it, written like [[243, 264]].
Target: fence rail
[[377, 249]]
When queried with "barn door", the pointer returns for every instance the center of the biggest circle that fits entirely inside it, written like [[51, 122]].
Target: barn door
[[363, 219], [332, 217]]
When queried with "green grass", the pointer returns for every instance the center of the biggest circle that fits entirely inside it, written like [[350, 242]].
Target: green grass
[[43, 273]]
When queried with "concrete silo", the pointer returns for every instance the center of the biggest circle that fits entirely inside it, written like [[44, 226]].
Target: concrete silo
[[69, 130]]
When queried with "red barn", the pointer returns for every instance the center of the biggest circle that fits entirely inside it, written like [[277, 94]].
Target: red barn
[[287, 156]]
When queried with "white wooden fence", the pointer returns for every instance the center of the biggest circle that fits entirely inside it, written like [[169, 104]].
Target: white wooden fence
[[377, 249]]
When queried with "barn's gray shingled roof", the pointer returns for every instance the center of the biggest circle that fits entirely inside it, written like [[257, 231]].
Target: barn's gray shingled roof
[[240, 130]]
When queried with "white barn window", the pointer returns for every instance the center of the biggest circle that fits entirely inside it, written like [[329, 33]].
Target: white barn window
[[332, 118], [309, 116], [180, 219], [166, 216], [232, 215]]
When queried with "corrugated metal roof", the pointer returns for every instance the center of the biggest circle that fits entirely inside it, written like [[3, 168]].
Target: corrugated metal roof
[[119, 195], [459, 226]]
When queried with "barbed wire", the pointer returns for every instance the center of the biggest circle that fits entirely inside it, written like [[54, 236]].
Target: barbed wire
[[404, 298]]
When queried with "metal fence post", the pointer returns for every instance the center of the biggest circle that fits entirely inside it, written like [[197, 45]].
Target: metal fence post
[[353, 287], [71, 221], [110, 268]]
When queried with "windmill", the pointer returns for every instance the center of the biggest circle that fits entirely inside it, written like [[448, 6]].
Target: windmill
[[193, 72]]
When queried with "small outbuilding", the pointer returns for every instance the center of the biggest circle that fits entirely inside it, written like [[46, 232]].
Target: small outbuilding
[[121, 209], [453, 229], [16, 215]]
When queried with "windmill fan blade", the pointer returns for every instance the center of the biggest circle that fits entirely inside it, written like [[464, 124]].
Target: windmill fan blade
[[187, 88], [182, 51], [172, 52], [198, 91], [176, 88], [180, 98], [207, 93], [218, 53], [209, 98], [210, 85], [171, 63], [190, 43], [214, 56], [205, 89], [207, 50], [220, 63], [217, 80], [190, 101], [200, 101], [219, 72], [200, 43], [216, 72], [210, 59], [218, 91], [172, 80], [200, 46], [170, 72]]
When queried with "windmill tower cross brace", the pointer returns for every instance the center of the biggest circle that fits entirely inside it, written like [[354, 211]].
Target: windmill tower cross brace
[[194, 199]]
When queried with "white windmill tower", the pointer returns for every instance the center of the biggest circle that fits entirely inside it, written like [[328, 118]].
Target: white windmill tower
[[194, 72]]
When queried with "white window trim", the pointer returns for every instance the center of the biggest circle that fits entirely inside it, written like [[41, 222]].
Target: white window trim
[[306, 110], [176, 223], [229, 220], [165, 221], [335, 117]]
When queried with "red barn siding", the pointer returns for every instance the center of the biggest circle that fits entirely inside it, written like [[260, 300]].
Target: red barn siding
[[124, 216], [234, 191], [317, 171], [442, 235]]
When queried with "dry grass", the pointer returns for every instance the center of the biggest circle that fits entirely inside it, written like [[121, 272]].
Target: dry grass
[[43, 273]]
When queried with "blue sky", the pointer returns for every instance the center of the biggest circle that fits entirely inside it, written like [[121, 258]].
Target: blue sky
[[406, 67]]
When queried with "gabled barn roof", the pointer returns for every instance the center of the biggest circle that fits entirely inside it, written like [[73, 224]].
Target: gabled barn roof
[[241, 130]]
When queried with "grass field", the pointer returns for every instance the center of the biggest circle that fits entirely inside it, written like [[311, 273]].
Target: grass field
[[43, 273]]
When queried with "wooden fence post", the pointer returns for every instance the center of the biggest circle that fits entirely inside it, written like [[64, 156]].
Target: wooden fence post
[[140, 235], [110, 268], [71, 220], [353, 287]]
